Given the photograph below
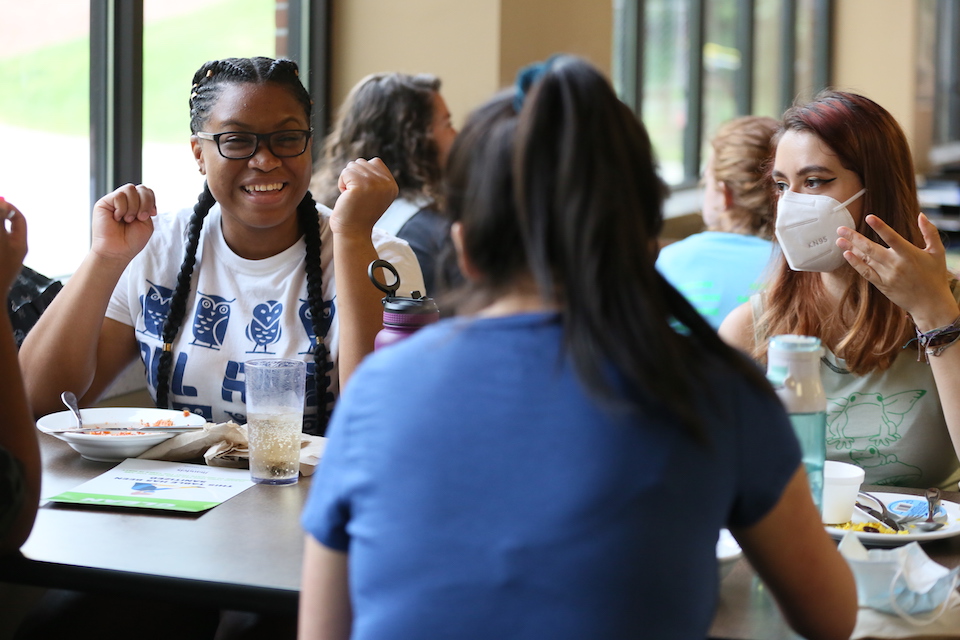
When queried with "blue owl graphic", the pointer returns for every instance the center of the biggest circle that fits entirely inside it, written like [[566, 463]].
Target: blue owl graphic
[[306, 318], [210, 320], [156, 306], [264, 328]]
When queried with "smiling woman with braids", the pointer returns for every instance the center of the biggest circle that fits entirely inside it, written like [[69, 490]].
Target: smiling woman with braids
[[248, 273]]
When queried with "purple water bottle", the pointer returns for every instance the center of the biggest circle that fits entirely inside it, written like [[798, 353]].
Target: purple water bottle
[[401, 316]]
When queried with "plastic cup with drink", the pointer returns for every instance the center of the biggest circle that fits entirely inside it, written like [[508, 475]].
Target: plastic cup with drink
[[274, 392]]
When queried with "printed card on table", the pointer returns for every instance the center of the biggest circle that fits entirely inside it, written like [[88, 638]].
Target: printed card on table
[[157, 484]]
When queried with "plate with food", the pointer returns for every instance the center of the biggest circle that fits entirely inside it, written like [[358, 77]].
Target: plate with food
[[112, 434], [871, 532]]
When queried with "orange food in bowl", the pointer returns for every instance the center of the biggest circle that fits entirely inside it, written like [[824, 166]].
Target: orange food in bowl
[[117, 433], [163, 422]]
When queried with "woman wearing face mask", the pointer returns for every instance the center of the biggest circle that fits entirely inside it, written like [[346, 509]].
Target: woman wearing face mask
[[865, 273]]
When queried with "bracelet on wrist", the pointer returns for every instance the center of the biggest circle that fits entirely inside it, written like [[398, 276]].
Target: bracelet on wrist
[[935, 341]]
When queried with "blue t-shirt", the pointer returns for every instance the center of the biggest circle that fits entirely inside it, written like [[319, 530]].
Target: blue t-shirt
[[716, 271], [481, 493]]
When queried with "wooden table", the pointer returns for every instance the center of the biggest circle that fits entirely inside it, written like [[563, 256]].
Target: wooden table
[[746, 609], [246, 553], [243, 554]]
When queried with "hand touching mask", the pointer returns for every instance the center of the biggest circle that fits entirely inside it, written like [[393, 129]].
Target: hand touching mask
[[807, 230]]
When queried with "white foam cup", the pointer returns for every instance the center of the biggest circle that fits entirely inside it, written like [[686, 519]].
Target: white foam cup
[[841, 483]]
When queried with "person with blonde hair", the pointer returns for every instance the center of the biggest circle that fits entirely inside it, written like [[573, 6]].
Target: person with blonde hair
[[719, 268], [863, 270]]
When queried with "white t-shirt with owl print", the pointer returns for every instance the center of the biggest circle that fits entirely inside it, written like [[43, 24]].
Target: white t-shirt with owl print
[[237, 310]]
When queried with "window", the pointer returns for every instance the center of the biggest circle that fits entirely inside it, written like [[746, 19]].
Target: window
[[177, 39], [945, 150], [44, 127], [686, 66], [95, 95]]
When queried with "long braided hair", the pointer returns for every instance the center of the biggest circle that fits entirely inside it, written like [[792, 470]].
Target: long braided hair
[[208, 83]]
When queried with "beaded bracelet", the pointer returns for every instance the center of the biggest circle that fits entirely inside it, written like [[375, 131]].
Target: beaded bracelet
[[936, 341]]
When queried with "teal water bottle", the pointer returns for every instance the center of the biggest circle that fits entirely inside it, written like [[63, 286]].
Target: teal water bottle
[[793, 368]]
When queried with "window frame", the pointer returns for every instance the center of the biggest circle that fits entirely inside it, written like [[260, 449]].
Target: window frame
[[629, 64], [116, 82], [944, 152]]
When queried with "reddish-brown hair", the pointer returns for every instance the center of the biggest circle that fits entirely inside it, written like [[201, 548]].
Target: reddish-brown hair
[[865, 329]]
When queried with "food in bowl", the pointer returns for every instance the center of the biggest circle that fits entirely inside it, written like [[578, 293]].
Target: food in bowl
[[115, 445], [116, 433], [166, 422]]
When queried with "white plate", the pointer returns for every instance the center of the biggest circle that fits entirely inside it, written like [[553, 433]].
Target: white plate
[[114, 448], [893, 501]]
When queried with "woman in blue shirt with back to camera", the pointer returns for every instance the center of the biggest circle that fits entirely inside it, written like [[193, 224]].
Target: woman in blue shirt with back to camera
[[511, 473]]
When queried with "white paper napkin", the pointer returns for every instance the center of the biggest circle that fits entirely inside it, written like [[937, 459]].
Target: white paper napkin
[[225, 445], [876, 624], [874, 570]]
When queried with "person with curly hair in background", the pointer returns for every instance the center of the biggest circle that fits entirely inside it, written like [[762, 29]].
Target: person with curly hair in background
[[403, 120]]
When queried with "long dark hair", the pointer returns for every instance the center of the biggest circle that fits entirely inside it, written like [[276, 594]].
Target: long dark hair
[[567, 191], [208, 83]]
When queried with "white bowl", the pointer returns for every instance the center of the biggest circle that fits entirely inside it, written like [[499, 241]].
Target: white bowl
[[728, 552], [112, 447]]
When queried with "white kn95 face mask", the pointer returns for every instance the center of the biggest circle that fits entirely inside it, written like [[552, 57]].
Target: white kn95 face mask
[[807, 230]]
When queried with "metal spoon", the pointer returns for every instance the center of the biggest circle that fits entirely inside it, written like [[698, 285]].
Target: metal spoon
[[883, 516], [71, 401], [135, 428], [933, 503]]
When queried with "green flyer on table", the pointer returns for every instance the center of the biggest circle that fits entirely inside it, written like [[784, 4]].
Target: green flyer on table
[[157, 484]]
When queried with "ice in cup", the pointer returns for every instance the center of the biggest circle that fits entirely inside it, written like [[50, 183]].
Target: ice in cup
[[274, 394], [841, 483]]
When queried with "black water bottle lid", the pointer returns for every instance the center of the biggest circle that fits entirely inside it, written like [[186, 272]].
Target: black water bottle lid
[[416, 303]]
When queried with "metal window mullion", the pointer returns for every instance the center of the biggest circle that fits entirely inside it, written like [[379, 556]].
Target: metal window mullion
[[116, 94], [628, 52], [948, 73], [743, 78], [692, 134], [788, 53], [100, 70], [309, 46], [822, 44]]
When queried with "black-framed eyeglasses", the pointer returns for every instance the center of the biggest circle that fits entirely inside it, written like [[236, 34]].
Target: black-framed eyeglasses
[[240, 145]]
